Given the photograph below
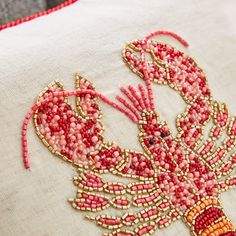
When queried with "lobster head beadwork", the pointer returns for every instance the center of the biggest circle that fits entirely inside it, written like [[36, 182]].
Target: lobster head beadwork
[[152, 130], [176, 176]]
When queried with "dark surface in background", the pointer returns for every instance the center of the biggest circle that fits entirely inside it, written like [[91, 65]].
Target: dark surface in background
[[11, 10], [53, 3]]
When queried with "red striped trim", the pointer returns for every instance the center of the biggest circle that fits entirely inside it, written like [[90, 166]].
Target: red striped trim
[[43, 13]]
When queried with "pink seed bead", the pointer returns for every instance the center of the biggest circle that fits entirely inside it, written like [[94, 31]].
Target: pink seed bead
[[62, 142], [73, 125], [116, 154], [94, 139]]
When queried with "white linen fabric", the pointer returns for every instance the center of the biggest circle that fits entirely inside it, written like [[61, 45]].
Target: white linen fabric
[[88, 37]]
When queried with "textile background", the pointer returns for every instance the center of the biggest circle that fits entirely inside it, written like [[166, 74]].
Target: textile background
[[88, 38]]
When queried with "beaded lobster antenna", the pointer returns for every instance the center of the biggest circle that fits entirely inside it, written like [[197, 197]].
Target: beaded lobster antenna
[[169, 180]]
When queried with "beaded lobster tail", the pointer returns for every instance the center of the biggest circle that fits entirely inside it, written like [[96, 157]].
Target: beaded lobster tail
[[174, 177]]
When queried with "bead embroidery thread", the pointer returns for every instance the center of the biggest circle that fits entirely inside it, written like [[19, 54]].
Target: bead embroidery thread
[[175, 177]]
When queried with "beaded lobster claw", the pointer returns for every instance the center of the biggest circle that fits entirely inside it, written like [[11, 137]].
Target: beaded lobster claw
[[174, 177]]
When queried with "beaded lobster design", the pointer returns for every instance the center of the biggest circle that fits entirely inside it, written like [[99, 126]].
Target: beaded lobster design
[[174, 177]]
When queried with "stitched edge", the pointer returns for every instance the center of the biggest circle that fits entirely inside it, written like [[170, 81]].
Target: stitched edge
[[39, 14]]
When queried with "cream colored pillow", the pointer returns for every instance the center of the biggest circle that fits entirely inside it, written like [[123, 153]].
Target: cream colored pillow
[[87, 37]]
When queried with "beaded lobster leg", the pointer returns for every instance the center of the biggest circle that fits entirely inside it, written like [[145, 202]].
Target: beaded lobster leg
[[173, 177], [76, 136]]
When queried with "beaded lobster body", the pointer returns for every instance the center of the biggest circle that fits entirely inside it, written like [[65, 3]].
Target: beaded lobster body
[[173, 177]]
